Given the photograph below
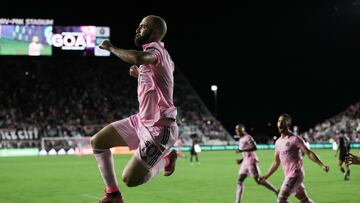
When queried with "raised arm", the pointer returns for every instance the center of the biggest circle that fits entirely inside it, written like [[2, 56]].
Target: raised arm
[[129, 56], [338, 148]]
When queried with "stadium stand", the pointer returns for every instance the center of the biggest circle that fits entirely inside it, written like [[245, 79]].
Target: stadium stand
[[346, 122], [48, 97]]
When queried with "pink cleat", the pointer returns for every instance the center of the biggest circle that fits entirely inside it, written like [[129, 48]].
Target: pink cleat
[[112, 198], [170, 168]]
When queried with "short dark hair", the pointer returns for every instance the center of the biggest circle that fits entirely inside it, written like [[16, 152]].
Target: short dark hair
[[241, 125], [287, 117], [159, 24], [193, 135]]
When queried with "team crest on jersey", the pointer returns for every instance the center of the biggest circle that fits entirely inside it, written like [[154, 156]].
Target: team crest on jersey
[[287, 145]]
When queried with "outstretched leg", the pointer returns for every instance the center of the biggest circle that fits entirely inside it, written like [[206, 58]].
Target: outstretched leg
[[151, 158], [347, 173], [340, 163], [135, 173], [196, 158], [283, 197], [101, 144], [266, 184], [303, 197], [240, 187]]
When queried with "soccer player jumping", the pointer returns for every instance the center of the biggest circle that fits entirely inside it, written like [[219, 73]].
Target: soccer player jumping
[[153, 130], [287, 153]]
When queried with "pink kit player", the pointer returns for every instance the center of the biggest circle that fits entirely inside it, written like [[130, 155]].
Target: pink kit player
[[249, 164], [287, 153], [179, 144], [152, 131]]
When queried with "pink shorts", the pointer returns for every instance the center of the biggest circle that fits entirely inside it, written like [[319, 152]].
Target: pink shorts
[[151, 143], [293, 185], [250, 168]]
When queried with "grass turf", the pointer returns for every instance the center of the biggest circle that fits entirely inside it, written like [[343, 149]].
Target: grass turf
[[76, 179]]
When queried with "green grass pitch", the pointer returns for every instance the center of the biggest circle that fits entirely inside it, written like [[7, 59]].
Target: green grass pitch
[[75, 179]]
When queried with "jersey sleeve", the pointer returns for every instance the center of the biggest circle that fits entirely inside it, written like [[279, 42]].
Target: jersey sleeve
[[300, 142], [154, 49], [251, 141]]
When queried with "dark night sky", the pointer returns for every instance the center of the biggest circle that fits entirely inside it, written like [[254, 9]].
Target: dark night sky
[[266, 58]]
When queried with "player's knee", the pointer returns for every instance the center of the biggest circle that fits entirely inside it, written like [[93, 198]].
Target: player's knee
[[282, 198], [93, 142], [97, 142], [130, 182]]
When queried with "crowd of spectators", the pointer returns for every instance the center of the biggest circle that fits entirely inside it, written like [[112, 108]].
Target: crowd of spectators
[[345, 123], [77, 97]]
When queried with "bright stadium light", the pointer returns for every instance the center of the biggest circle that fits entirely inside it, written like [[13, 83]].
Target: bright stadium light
[[214, 89]]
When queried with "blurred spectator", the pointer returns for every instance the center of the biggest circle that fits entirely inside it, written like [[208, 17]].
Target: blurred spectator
[[72, 97], [345, 123]]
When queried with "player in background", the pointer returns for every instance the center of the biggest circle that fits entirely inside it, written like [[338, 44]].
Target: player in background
[[193, 151], [152, 131], [249, 164], [35, 47], [179, 144], [287, 153], [343, 143]]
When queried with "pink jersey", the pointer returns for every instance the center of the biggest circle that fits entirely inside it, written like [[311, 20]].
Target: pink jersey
[[246, 142], [155, 86], [178, 143], [288, 149]]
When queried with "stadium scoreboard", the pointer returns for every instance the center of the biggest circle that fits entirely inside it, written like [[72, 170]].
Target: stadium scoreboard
[[41, 37]]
